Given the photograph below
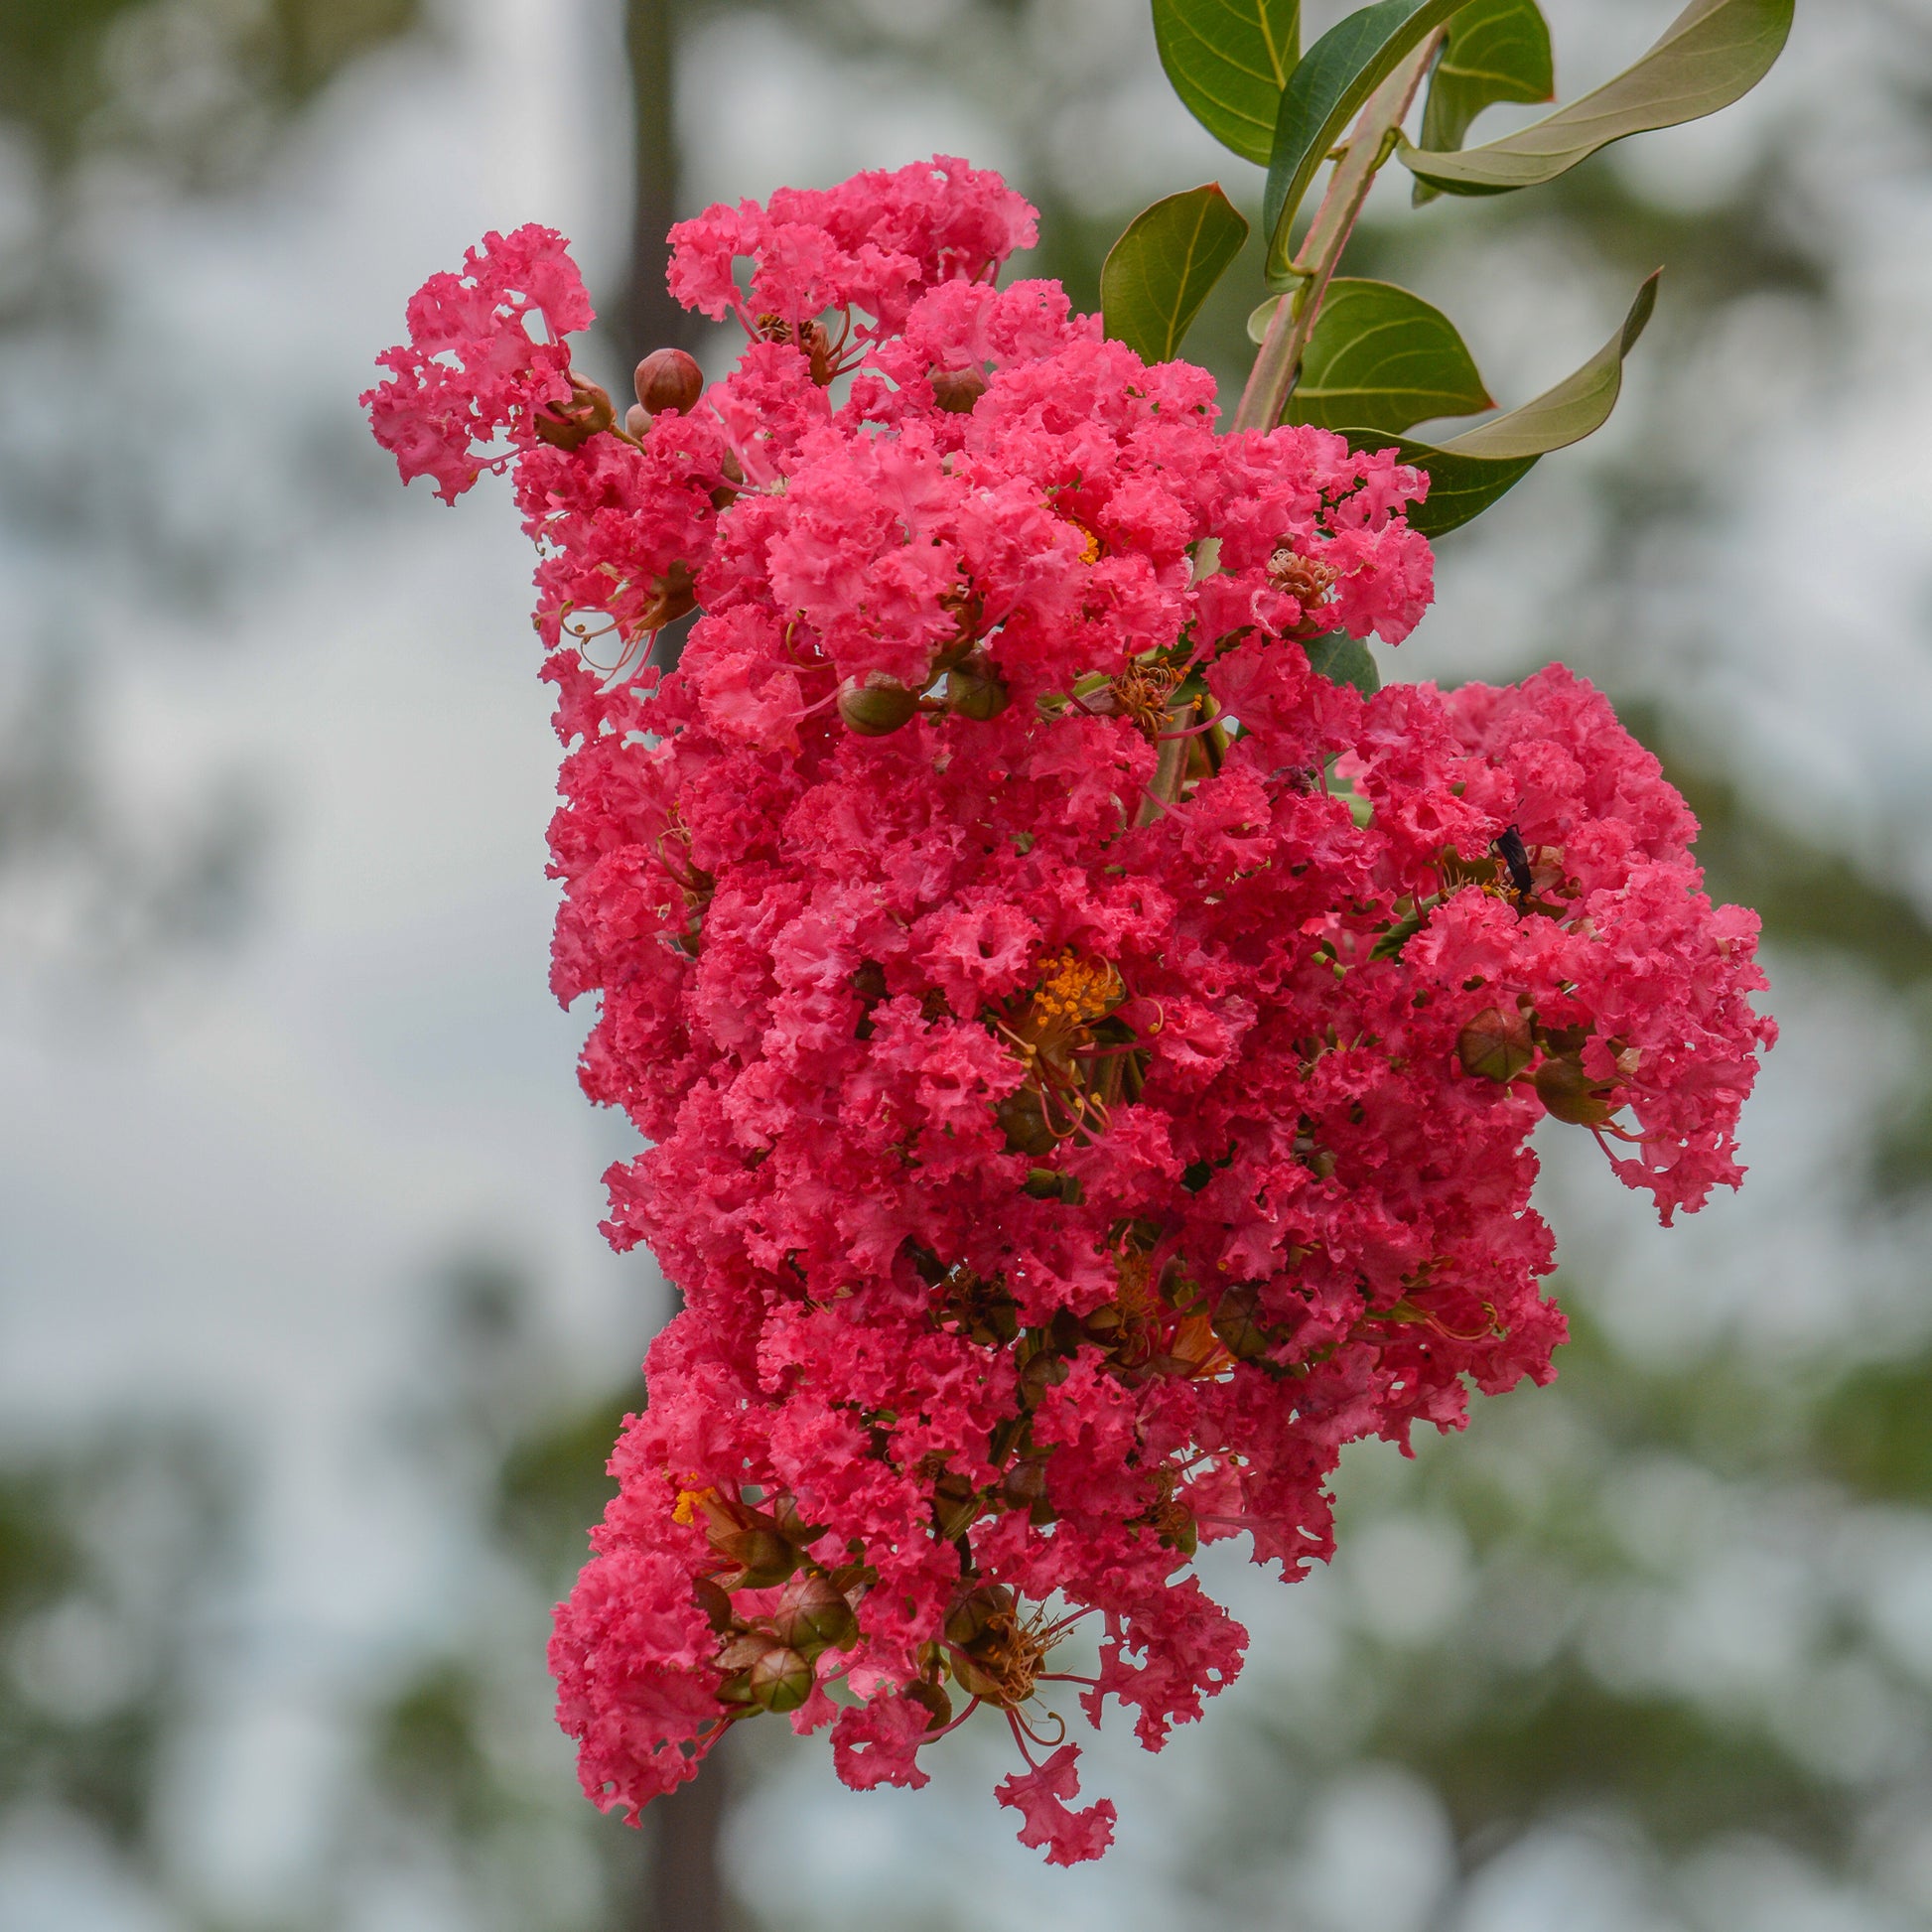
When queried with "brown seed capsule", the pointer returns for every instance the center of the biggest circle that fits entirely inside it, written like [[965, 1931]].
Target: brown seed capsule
[[876, 707], [957, 391], [812, 1617], [780, 1680], [1571, 1094], [668, 380]]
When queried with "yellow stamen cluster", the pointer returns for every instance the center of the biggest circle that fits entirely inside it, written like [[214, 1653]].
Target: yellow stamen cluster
[[1073, 991]]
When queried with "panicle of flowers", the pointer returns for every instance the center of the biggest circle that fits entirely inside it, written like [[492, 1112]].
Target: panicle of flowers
[[1087, 1059]]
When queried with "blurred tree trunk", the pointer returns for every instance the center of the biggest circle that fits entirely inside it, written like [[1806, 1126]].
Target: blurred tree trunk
[[649, 319], [687, 1881]]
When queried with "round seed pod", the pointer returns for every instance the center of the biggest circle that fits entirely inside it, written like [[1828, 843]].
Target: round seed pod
[[1571, 1094], [1237, 1323], [780, 1680], [812, 1617], [975, 695], [669, 379], [876, 707], [1496, 1044]]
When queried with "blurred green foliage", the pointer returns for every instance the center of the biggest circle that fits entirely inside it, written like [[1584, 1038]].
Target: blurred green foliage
[[110, 1556], [75, 75]]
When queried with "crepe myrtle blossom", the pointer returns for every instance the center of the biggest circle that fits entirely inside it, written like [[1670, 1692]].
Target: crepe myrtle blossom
[[1087, 1061]]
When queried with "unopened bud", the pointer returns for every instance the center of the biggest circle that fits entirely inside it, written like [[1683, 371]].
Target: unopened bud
[[812, 1617], [1023, 1119], [877, 706], [636, 419], [1496, 1044], [1025, 1484], [668, 380], [1571, 1094], [933, 1697], [1238, 1327], [765, 1556], [976, 1611], [957, 391], [780, 1680], [975, 694]]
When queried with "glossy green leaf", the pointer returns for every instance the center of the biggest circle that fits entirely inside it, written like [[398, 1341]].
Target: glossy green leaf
[[1326, 92], [1228, 60], [1384, 357], [1473, 470], [1160, 272], [1343, 659], [1497, 50], [1713, 53]]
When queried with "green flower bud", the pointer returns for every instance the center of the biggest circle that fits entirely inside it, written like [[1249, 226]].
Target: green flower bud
[[975, 694], [782, 1680], [764, 1556], [812, 1617], [876, 707], [1237, 1323], [1496, 1044]]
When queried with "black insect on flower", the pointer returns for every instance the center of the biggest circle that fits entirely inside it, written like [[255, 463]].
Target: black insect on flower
[[1515, 856]]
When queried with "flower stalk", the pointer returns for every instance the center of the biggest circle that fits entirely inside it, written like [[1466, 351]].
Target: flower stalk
[[1278, 366]]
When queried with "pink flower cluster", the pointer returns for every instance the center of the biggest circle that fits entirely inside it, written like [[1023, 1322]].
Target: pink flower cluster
[[1088, 1058]]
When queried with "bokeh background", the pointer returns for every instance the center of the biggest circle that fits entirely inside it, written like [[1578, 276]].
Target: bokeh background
[[310, 1354]]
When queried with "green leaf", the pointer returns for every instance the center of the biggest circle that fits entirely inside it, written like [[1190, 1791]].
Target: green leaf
[[1497, 50], [1384, 357], [1577, 407], [1326, 92], [1713, 53], [1228, 60], [1473, 470], [1343, 659], [1160, 272]]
